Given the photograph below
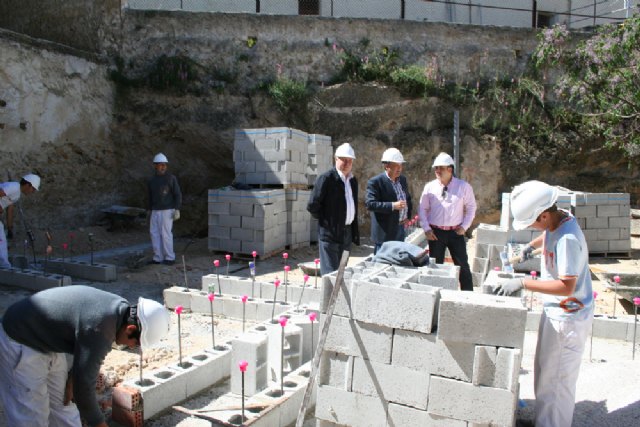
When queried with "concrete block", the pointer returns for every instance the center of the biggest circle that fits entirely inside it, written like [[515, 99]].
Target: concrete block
[[604, 327], [309, 330], [522, 236], [251, 347], [607, 210], [597, 222], [620, 245], [625, 233], [495, 278], [586, 211], [240, 209], [492, 234], [608, 234], [350, 409], [85, 270], [204, 369], [598, 246], [533, 320], [443, 276], [32, 279], [290, 355], [230, 221], [426, 353], [336, 370], [484, 365], [620, 222], [359, 339], [625, 210], [508, 369], [391, 383], [221, 208], [405, 416], [481, 319], [480, 265], [410, 306], [177, 295], [160, 389], [472, 403]]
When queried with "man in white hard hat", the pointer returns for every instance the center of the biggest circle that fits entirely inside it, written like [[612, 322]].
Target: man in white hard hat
[[40, 333], [388, 200], [10, 193], [565, 282], [334, 203], [447, 209], [165, 199]]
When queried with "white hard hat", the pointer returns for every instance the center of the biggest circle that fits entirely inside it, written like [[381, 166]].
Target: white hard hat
[[530, 199], [32, 179], [392, 155], [160, 158], [345, 150], [154, 322], [443, 159]]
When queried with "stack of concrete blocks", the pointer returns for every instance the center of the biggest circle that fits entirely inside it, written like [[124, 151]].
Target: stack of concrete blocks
[[298, 218], [320, 156], [407, 353], [243, 221], [271, 156], [605, 219]]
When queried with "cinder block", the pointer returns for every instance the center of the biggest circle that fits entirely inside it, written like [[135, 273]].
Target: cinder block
[[620, 222], [252, 347], [597, 222], [32, 279], [604, 327], [598, 246], [484, 365], [492, 234], [607, 210], [303, 322], [175, 296], [202, 370], [350, 409], [508, 369], [620, 245], [336, 370], [472, 403], [495, 278], [392, 383], [443, 276], [218, 208], [585, 211], [426, 353], [162, 389], [405, 416], [359, 339], [292, 350], [481, 319], [608, 234], [410, 306], [97, 271]]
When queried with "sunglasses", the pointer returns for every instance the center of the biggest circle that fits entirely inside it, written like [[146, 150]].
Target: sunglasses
[[444, 192]]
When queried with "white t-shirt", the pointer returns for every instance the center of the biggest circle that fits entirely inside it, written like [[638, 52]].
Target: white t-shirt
[[12, 193], [566, 254]]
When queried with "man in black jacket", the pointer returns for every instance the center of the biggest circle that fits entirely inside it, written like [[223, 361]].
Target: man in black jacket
[[334, 203], [388, 200]]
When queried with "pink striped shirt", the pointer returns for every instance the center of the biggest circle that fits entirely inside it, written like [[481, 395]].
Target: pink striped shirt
[[457, 207]]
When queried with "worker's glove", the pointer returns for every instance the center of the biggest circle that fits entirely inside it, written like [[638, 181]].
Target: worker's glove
[[10, 233], [176, 215], [527, 253], [508, 287]]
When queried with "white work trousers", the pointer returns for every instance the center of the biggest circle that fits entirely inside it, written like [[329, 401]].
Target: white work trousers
[[32, 387], [4, 252], [161, 227], [557, 364]]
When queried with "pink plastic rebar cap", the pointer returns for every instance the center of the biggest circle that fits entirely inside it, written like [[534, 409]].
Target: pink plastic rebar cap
[[228, 257], [595, 295], [287, 268], [312, 316], [636, 301], [216, 263], [245, 298], [616, 279], [254, 254], [305, 278], [277, 282], [534, 273], [179, 309], [211, 297], [496, 268], [283, 321], [317, 260], [65, 246], [285, 255], [243, 365]]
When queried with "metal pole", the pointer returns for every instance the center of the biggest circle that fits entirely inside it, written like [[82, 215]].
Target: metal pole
[[594, 12], [402, 8], [184, 269], [534, 14], [456, 140]]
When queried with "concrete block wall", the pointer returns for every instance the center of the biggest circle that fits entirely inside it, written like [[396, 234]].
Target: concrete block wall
[[320, 156], [243, 221], [605, 218], [378, 370], [271, 156], [298, 218]]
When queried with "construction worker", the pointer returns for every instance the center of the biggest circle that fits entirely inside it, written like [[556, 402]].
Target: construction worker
[[10, 193], [165, 199], [41, 332], [388, 200], [334, 203], [447, 209], [565, 282]]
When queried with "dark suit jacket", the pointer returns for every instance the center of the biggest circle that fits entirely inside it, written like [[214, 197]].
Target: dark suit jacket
[[328, 205], [380, 196]]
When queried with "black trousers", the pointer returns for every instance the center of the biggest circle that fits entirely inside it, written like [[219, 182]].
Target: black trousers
[[458, 249]]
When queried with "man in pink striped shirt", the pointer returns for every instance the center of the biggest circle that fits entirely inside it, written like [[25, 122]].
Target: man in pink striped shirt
[[447, 208]]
